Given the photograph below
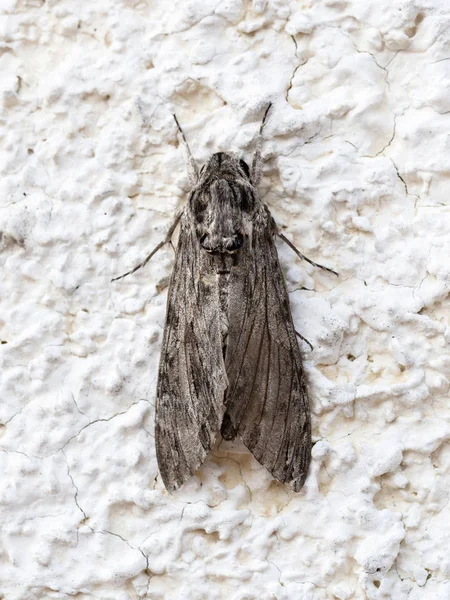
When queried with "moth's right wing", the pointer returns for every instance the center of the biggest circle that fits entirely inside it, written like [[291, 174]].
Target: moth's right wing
[[267, 402], [192, 380]]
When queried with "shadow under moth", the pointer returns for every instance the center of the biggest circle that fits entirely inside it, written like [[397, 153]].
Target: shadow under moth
[[230, 360]]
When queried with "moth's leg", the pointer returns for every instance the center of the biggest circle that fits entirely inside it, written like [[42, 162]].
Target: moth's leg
[[167, 239], [256, 171], [304, 339], [302, 256], [192, 169]]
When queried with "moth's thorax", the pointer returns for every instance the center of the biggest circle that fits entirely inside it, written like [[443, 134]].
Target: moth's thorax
[[221, 204]]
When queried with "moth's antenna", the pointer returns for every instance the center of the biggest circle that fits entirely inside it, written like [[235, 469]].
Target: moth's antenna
[[256, 172], [192, 168]]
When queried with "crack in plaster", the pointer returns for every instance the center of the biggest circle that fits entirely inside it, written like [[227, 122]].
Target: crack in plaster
[[102, 531], [300, 64], [85, 518], [394, 129], [76, 405], [278, 569], [105, 420]]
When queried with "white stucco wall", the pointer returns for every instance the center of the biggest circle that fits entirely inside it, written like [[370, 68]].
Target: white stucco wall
[[357, 171]]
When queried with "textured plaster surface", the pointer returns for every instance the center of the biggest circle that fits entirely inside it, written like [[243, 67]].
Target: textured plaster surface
[[357, 173]]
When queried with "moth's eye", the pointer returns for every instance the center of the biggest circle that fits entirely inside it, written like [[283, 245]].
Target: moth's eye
[[244, 167]]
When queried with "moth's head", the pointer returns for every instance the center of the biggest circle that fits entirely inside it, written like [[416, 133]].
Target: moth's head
[[226, 166]]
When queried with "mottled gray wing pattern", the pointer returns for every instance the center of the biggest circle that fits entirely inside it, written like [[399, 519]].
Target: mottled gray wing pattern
[[267, 403], [192, 380]]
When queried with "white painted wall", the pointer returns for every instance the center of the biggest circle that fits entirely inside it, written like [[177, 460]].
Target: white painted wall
[[357, 172]]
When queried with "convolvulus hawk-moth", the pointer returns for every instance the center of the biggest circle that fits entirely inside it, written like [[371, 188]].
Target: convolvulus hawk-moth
[[230, 361]]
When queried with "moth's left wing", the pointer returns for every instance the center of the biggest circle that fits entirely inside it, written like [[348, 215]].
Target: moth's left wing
[[192, 380], [267, 403]]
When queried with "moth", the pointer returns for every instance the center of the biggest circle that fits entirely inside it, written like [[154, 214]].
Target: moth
[[230, 360]]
